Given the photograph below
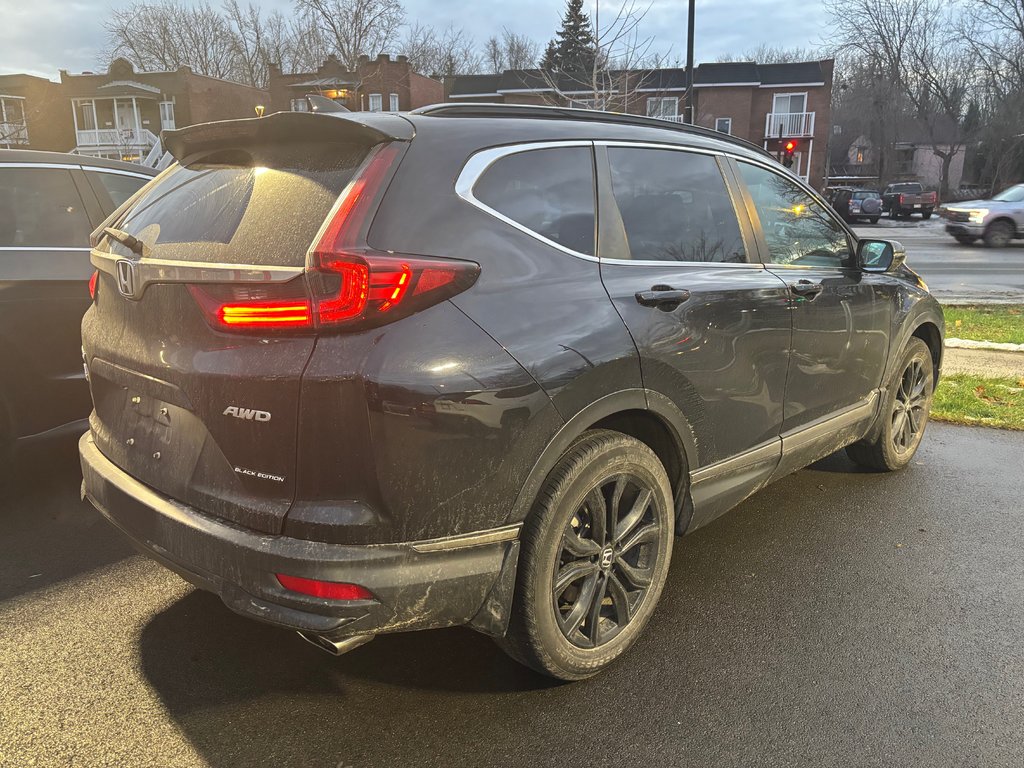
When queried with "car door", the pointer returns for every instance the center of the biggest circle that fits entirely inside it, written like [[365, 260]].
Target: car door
[[710, 323], [46, 214], [841, 315]]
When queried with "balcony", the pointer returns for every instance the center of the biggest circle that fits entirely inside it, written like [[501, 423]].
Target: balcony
[[114, 137], [13, 133], [785, 125], [670, 118]]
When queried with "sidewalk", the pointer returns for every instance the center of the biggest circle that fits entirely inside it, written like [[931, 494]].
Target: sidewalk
[[984, 362]]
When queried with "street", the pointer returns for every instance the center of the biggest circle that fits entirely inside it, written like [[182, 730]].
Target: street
[[838, 617], [955, 273]]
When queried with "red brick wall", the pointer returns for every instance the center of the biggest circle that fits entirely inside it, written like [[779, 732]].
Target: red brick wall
[[208, 99]]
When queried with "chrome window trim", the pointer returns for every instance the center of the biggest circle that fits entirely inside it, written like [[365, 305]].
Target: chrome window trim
[[65, 166], [41, 248], [478, 164], [117, 172]]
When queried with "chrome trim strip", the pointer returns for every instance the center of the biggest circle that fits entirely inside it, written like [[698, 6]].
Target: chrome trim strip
[[118, 172], [170, 271], [482, 160], [39, 248], [475, 539], [69, 166], [770, 450], [795, 439]]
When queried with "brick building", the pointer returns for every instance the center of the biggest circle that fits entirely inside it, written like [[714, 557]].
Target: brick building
[[31, 114], [767, 104], [120, 113], [377, 85]]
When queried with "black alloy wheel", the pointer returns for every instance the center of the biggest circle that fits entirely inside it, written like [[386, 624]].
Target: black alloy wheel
[[606, 561], [909, 407]]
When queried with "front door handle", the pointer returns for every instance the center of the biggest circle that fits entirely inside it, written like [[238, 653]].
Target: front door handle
[[806, 289], [663, 297]]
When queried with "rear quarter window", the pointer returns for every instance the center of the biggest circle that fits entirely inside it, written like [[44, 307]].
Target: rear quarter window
[[41, 208], [547, 191]]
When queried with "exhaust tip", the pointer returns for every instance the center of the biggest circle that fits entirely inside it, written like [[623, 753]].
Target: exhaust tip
[[335, 647]]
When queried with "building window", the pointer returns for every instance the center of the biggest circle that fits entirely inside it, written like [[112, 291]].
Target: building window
[[12, 121], [723, 125], [85, 114], [790, 103], [394, 102], [300, 105], [376, 102], [166, 115], [665, 107]]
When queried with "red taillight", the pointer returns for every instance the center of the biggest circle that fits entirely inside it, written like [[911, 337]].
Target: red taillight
[[93, 282], [331, 590], [347, 284], [901, 199]]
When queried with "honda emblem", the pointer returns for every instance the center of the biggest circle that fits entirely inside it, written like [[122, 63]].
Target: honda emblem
[[126, 278]]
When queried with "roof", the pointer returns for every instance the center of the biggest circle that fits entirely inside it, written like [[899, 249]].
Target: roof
[[726, 73], [36, 156]]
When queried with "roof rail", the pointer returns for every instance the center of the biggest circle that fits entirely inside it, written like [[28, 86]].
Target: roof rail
[[586, 115]]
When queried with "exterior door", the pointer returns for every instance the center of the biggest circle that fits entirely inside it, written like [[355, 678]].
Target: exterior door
[[841, 315], [710, 323]]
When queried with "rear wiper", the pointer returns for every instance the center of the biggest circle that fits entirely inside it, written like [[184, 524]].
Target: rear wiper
[[130, 242]]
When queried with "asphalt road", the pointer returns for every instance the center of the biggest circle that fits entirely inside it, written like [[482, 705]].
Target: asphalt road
[[838, 618], [955, 272]]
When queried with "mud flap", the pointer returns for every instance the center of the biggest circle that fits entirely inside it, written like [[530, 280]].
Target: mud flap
[[492, 618]]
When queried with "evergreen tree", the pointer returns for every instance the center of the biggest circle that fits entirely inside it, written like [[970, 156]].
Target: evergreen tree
[[550, 60], [576, 47]]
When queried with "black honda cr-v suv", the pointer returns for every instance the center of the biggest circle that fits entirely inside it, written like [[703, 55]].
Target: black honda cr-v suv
[[364, 373]]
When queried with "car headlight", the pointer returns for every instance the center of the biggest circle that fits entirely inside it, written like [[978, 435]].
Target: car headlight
[[977, 216]]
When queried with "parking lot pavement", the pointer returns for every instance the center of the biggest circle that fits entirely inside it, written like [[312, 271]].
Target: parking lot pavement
[[954, 272], [838, 618]]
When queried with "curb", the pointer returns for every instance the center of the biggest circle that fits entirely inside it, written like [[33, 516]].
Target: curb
[[998, 346]]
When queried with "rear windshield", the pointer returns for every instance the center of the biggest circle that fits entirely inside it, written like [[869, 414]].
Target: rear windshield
[[253, 206], [864, 195], [906, 188]]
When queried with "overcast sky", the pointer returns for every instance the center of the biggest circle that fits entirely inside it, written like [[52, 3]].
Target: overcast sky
[[43, 36]]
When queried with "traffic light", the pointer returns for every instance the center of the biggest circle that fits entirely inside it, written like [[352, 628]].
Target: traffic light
[[787, 155]]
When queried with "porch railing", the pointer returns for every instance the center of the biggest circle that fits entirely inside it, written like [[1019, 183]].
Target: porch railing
[[116, 137]]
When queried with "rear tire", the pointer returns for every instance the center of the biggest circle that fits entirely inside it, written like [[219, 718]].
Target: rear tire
[[904, 414], [999, 234], [594, 557], [926, 214], [873, 220]]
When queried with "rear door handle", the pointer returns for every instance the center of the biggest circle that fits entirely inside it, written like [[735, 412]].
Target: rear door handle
[[807, 289], [662, 297]]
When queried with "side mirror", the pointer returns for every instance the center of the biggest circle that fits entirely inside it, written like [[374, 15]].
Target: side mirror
[[880, 255]]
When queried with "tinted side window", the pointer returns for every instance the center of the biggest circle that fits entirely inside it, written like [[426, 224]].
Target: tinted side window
[[548, 191], [674, 206], [41, 208], [118, 186], [798, 230]]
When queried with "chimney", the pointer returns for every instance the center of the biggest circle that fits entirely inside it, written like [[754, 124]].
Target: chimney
[[402, 59], [383, 58]]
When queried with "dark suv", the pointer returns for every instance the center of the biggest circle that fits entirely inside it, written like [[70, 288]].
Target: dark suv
[[49, 203], [365, 373]]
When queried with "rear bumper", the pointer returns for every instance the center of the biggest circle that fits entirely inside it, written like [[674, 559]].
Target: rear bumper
[[416, 585]]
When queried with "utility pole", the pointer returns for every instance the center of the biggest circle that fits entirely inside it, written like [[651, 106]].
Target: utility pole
[[688, 111]]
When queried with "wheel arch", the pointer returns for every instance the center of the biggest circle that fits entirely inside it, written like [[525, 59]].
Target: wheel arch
[[929, 333], [648, 416]]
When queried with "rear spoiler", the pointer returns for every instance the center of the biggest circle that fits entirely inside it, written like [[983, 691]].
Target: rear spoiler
[[367, 128]]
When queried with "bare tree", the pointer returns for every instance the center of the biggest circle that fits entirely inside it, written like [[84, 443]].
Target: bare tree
[[440, 54], [355, 27], [510, 51], [770, 54]]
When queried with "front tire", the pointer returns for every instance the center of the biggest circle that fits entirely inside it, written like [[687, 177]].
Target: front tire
[[594, 557], [999, 234], [905, 409], [965, 239]]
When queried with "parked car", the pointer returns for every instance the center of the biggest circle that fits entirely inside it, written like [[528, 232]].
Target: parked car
[[906, 198], [857, 204], [49, 203], [996, 221], [283, 322]]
